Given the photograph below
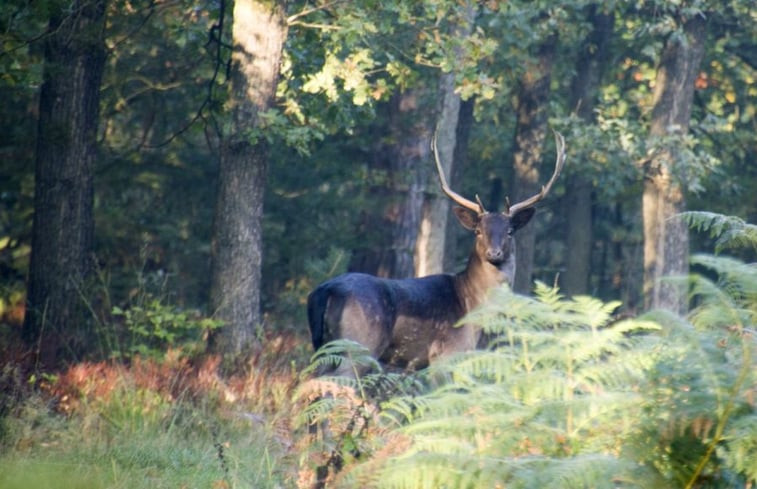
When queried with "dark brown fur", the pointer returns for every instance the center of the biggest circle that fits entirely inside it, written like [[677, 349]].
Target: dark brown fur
[[407, 323]]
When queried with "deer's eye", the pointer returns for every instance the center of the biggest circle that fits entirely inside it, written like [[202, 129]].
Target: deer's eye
[[478, 231]]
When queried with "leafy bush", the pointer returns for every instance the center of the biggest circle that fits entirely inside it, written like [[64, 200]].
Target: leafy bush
[[154, 327]]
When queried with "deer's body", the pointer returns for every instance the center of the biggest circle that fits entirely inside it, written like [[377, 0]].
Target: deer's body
[[407, 323], [404, 323]]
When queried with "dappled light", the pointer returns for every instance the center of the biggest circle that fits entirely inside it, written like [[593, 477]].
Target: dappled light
[[178, 177]]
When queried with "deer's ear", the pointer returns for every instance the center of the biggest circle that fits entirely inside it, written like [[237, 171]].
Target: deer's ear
[[467, 218], [521, 218]]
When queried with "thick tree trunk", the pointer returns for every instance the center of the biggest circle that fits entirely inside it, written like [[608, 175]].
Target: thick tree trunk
[[63, 194], [259, 32], [460, 161], [431, 245], [403, 157], [583, 95], [409, 160], [533, 103], [432, 235], [666, 241]]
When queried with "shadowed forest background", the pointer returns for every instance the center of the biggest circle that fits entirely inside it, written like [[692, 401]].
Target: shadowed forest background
[[176, 177]]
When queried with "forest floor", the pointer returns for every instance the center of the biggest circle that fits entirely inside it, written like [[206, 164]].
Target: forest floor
[[157, 423]]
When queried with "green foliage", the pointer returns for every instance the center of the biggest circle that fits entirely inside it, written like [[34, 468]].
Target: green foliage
[[334, 354], [154, 328], [163, 95], [730, 232], [361, 377], [602, 151], [149, 324], [545, 406], [701, 387], [20, 78], [132, 410]]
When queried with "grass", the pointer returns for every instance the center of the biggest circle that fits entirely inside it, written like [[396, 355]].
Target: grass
[[155, 424], [146, 459]]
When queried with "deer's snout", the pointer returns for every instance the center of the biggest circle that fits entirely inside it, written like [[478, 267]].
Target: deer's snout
[[495, 255]]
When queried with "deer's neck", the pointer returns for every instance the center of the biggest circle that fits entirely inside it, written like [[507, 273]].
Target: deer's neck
[[479, 277]]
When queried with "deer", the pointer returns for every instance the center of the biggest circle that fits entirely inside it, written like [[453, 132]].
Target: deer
[[409, 323]]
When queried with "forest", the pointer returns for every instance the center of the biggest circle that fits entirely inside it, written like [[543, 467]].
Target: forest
[[177, 177]]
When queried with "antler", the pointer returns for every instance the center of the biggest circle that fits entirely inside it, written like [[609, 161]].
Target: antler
[[457, 198], [560, 143]]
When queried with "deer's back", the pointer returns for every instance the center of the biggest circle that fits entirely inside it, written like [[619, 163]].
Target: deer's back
[[405, 323]]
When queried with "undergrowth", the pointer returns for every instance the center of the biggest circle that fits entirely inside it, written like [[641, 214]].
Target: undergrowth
[[568, 395], [155, 423]]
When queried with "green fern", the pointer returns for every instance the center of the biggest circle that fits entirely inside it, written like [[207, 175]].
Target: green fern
[[553, 393], [343, 407], [729, 231], [334, 354], [566, 395], [702, 388], [569, 397]]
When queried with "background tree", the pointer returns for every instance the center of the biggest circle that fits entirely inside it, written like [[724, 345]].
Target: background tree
[[61, 251], [431, 244], [584, 90], [258, 33], [403, 155], [666, 243], [531, 108]]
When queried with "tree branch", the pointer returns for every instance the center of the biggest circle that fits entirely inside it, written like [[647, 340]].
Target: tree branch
[[307, 11]]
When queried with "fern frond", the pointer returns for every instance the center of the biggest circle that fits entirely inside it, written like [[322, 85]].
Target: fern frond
[[730, 231], [428, 470], [733, 276], [315, 411], [332, 355], [717, 308], [740, 453]]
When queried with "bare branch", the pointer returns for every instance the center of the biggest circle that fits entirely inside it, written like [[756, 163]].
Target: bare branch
[[307, 11]]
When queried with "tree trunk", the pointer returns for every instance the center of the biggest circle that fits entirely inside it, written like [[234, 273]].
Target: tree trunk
[[403, 157], [666, 240], [61, 255], [533, 102], [460, 161], [583, 95], [409, 159], [432, 235], [431, 245], [259, 31]]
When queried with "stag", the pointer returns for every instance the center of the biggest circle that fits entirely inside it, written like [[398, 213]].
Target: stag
[[407, 323]]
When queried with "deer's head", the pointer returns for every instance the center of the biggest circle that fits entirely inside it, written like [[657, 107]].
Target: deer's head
[[494, 230]]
